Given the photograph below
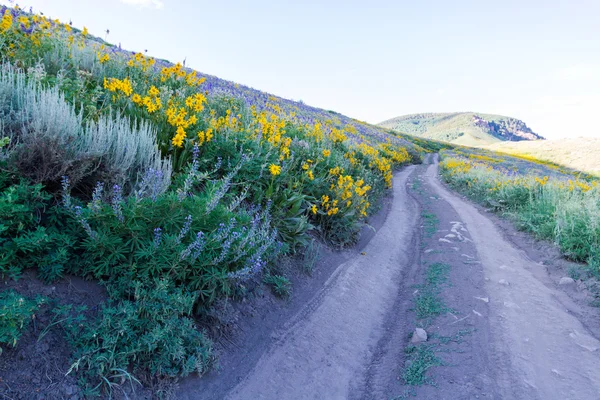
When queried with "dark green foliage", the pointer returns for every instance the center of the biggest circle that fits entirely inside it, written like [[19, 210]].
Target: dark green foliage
[[176, 238], [26, 239], [420, 360], [280, 285], [150, 332], [16, 312]]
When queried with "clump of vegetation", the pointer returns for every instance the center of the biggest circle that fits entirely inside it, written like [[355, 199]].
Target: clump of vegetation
[[557, 206], [149, 333], [280, 285], [171, 188], [420, 359], [16, 312]]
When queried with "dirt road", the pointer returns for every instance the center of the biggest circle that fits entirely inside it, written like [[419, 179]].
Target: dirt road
[[495, 329]]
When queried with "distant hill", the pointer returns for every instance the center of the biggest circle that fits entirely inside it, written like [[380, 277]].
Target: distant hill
[[466, 128], [580, 153]]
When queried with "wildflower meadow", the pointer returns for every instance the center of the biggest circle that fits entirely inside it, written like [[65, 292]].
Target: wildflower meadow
[[172, 188]]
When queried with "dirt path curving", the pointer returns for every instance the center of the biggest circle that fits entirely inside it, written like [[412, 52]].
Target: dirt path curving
[[498, 327], [325, 350], [539, 349]]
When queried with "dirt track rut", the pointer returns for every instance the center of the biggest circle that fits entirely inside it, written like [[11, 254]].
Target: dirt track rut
[[326, 349], [503, 334], [539, 349]]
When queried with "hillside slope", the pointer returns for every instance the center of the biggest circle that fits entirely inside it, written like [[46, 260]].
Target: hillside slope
[[466, 128], [576, 153]]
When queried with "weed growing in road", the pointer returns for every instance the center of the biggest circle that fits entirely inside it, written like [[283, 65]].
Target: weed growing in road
[[437, 273], [430, 223], [420, 360], [457, 338], [428, 302]]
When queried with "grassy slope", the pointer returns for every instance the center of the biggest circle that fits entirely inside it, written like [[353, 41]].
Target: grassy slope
[[576, 153], [458, 128], [551, 202]]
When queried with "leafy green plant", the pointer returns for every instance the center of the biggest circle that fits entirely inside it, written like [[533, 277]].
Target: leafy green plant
[[151, 332], [420, 359], [311, 256], [280, 285], [16, 312], [175, 235], [27, 237]]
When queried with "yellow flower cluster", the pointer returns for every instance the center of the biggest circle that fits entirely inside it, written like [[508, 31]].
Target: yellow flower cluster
[[7, 21], [456, 166], [152, 102], [117, 85], [179, 119], [205, 136], [345, 192], [138, 60], [226, 122], [178, 72], [103, 57], [196, 102]]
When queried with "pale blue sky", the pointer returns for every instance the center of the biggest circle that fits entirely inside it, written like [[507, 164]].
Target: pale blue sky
[[372, 60]]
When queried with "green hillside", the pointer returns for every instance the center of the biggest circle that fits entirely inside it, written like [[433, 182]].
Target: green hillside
[[466, 128]]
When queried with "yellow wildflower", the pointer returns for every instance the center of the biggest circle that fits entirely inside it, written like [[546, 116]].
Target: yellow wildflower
[[275, 169], [179, 137], [326, 153], [7, 21], [136, 98], [314, 209]]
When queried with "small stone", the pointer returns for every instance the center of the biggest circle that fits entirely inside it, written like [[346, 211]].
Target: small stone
[[565, 280], [419, 335], [484, 299], [503, 282]]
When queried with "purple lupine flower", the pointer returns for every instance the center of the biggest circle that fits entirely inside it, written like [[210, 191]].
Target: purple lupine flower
[[116, 201], [191, 175], [185, 229], [197, 246], [157, 237], [96, 204], [156, 186], [66, 192], [84, 223], [226, 246]]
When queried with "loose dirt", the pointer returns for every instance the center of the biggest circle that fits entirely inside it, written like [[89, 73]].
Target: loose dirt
[[499, 328]]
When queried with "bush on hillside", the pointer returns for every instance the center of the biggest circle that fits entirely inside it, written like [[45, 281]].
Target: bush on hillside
[[48, 139]]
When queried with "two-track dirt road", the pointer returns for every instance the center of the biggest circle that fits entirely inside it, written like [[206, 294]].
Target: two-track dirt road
[[503, 333]]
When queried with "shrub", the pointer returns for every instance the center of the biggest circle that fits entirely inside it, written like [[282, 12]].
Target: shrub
[[175, 235], [150, 332], [50, 140], [16, 312], [280, 285], [27, 238]]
